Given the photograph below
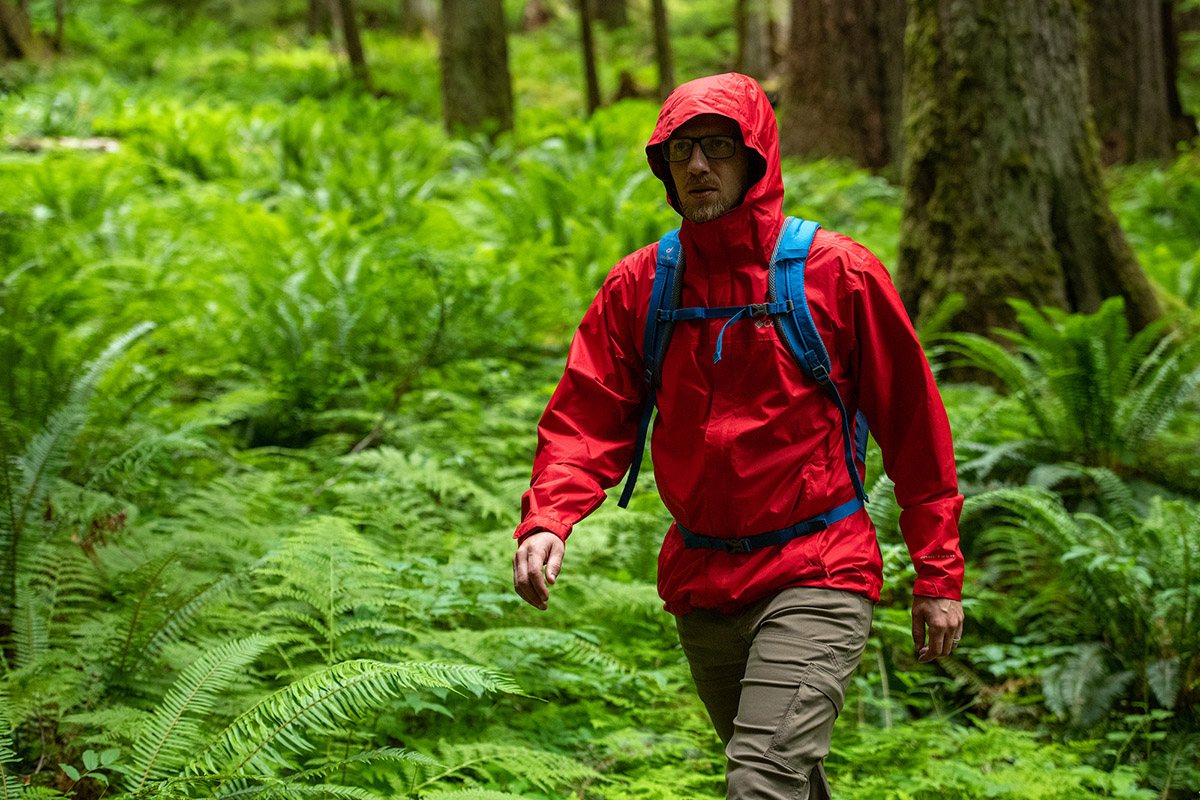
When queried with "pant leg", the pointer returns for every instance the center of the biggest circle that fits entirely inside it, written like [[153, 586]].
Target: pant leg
[[717, 649], [807, 641]]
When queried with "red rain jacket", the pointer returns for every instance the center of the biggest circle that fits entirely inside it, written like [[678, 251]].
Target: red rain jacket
[[750, 444]]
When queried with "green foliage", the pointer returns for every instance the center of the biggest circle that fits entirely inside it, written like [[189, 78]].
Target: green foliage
[[1093, 393]]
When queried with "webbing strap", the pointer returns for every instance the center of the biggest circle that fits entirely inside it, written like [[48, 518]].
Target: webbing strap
[[800, 332], [693, 541], [639, 448], [669, 251]]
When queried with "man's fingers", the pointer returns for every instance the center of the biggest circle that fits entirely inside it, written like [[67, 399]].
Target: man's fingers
[[918, 628], [554, 565], [536, 579]]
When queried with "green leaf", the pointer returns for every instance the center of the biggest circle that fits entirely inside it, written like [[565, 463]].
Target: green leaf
[[72, 773], [110, 756], [90, 760]]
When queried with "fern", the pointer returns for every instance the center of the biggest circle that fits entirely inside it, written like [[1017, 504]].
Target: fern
[[173, 733], [11, 785], [1096, 395], [543, 769], [258, 740]]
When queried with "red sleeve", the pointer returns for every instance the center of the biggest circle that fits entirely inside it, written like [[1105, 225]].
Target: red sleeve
[[907, 418], [586, 435]]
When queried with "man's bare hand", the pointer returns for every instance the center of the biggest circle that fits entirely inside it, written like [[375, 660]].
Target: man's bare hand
[[535, 551], [944, 617]]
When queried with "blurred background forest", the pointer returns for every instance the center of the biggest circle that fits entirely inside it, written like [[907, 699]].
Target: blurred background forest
[[286, 285]]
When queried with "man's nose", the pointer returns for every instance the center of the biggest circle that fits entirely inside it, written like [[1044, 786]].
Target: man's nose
[[697, 163]]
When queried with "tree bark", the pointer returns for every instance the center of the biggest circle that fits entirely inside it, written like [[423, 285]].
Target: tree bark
[[60, 24], [844, 72], [345, 15], [1183, 125], [589, 56], [1127, 80], [754, 49], [613, 13], [476, 87], [318, 18], [16, 33], [1003, 192], [662, 49]]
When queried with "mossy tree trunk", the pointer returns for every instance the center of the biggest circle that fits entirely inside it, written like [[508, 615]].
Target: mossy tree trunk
[[476, 87], [754, 48], [1003, 193], [662, 49], [1183, 124], [1128, 79], [843, 76], [589, 55]]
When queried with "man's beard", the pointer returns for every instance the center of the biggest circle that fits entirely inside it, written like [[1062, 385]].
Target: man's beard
[[701, 211]]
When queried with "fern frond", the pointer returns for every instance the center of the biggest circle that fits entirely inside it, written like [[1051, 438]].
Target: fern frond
[[11, 785], [543, 769], [174, 730], [85, 384], [177, 620], [257, 740], [472, 794]]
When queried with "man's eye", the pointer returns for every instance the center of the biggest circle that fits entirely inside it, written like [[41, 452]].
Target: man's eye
[[720, 146]]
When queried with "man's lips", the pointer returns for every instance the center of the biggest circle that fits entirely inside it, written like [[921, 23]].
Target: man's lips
[[701, 191]]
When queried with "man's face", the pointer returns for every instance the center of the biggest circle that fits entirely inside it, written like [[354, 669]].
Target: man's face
[[708, 187]]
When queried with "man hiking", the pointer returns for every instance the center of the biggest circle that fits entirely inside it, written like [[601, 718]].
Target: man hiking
[[772, 566]]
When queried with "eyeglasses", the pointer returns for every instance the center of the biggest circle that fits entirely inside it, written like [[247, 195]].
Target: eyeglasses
[[680, 148]]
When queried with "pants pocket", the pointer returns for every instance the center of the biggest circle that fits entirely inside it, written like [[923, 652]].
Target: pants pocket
[[802, 739]]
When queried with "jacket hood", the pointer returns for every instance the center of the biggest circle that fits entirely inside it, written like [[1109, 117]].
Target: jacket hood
[[740, 98]]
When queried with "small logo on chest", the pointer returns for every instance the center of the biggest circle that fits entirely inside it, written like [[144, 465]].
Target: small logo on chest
[[764, 322]]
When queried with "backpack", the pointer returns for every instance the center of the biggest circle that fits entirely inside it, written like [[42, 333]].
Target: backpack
[[788, 306]]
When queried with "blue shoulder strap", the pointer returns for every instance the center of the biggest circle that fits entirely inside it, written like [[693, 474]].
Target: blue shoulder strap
[[799, 333], [661, 299]]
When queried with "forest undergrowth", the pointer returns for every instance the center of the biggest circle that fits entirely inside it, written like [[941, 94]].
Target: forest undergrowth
[[274, 352]]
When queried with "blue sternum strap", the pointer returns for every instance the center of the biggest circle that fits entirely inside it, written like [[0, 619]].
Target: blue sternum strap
[[732, 313], [693, 541]]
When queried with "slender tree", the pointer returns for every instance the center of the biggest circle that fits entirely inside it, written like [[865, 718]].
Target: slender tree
[[60, 23], [1129, 80], [476, 87], [589, 55], [662, 49], [754, 48], [844, 71], [345, 15], [1003, 190]]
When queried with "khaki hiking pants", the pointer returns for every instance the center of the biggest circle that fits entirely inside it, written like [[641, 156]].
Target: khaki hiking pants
[[773, 676]]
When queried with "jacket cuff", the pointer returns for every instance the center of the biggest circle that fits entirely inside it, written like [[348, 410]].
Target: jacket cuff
[[938, 587], [537, 522]]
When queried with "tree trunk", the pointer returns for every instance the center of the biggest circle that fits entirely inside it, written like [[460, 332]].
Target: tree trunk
[[662, 50], [60, 24], [1183, 125], [318, 18], [476, 87], [754, 49], [1003, 194], [844, 72], [589, 56], [345, 15], [1127, 80], [16, 34], [613, 13]]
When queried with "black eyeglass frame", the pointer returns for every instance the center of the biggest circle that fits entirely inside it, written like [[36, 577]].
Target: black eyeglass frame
[[702, 141]]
